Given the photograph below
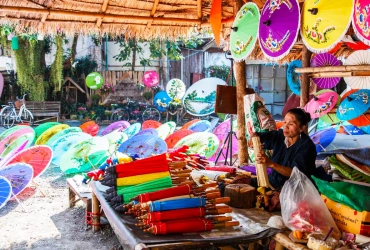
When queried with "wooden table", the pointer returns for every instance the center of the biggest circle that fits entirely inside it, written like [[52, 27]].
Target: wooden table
[[75, 194]]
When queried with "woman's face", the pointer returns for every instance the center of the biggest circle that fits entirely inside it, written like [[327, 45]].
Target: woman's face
[[292, 128]]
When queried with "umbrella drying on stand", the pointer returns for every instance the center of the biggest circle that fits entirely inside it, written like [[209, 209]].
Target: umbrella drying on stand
[[143, 145], [47, 134], [114, 126], [150, 124]]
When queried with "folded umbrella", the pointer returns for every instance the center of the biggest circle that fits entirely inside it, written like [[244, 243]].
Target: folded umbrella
[[176, 214], [165, 193], [127, 168], [177, 204]]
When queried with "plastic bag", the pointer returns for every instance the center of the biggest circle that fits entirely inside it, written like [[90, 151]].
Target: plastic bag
[[303, 209]]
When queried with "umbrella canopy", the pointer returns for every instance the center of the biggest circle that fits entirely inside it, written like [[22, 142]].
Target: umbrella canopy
[[132, 130], [361, 20], [243, 36], [151, 78], [4, 161], [293, 78], [323, 60], [321, 104], [161, 100], [354, 105], [200, 126], [62, 133], [214, 123], [65, 142], [353, 130], [221, 131], [23, 141], [43, 127], [9, 131], [278, 28], [115, 139], [189, 123], [175, 88], [90, 128], [47, 134], [114, 126], [324, 23], [85, 155], [362, 120], [148, 131], [39, 157], [360, 57], [166, 129], [144, 146], [150, 124], [19, 136], [19, 176], [177, 136], [5, 191], [323, 138], [202, 143]]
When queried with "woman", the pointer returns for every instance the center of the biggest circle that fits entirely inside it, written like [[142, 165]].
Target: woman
[[291, 148]]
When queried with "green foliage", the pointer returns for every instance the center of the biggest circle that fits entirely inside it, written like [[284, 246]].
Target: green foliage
[[173, 51], [147, 95], [84, 65], [223, 72], [5, 30], [192, 43], [56, 70], [155, 49]]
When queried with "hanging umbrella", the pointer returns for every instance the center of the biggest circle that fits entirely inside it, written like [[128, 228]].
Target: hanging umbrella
[[175, 88], [9, 131], [43, 127], [172, 139], [5, 191], [323, 138], [278, 28], [4, 161], [331, 116], [324, 23], [200, 126], [65, 142], [47, 134], [354, 105], [189, 123], [90, 128], [19, 176], [144, 146], [221, 131], [321, 104], [39, 157], [360, 57], [243, 36], [150, 124], [166, 129], [161, 100], [85, 155], [362, 120], [361, 20], [151, 78], [323, 60], [202, 143], [132, 130], [114, 126], [115, 139], [20, 135], [148, 131], [214, 123], [293, 78], [62, 133]]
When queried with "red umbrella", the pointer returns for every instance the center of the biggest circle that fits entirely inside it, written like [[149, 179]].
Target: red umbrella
[[185, 213], [165, 193], [222, 169], [143, 164], [90, 128], [150, 124], [183, 226], [177, 136], [140, 171]]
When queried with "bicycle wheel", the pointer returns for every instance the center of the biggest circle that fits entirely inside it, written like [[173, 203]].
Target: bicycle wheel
[[151, 114], [9, 119], [27, 117], [4, 112], [120, 115]]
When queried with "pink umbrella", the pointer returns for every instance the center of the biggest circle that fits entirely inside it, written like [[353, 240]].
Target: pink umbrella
[[116, 125], [14, 136], [4, 161], [221, 131], [323, 60], [321, 104], [150, 78]]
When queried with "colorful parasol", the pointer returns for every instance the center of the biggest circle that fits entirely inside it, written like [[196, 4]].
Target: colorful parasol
[[4, 161], [23, 141], [362, 120], [354, 105], [353, 130], [43, 127], [39, 157], [321, 104], [278, 28], [1, 90], [85, 155], [331, 116], [132, 130], [201, 126], [243, 36], [148, 131], [115, 139], [202, 143], [151, 78], [166, 129], [19, 136], [5, 191], [361, 20], [184, 213], [189, 123], [65, 142], [161, 100], [61, 133], [176, 136], [175, 88], [323, 60], [144, 146], [214, 123], [324, 23], [323, 138], [165, 193], [19, 176], [293, 78], [47, 134], [11, 130], [192, 225], [360, 57], [150, 124], [90, 128], [177, 204], [114, 126]]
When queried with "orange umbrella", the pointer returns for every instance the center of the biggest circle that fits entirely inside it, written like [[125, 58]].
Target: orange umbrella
[[90, 128], [189, 123], [362, 120], [150, 124], [177, 136]]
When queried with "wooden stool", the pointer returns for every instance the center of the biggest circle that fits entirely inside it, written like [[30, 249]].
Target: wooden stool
[[75, 194]]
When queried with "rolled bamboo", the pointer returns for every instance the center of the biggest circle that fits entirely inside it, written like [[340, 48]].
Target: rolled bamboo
[[347, 68], [261, 171], [340, 74]]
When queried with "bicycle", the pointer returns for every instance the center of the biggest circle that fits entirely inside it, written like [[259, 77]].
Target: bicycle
[[9, 116], [132, 111]]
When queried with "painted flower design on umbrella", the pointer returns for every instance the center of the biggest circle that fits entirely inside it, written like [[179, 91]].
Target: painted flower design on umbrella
[[361, 17], [243, 12], [314, 35], [325, 106], [241, 46], [275, 5], [273, 44]]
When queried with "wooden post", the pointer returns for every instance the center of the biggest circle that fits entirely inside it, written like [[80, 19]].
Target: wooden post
[[305, 79], [95, 212]]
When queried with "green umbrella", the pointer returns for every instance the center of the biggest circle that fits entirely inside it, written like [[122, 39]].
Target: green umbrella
[[166, 129], [43, 127], [202, 143], [50, 132], [9, 131], [244, 31], [115, 139], [29, 137], [61, 133]]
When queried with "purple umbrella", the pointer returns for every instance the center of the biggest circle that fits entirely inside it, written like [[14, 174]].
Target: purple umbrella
[[116, 125], [323, 138], [148, 131], [278, 27], [19, 174], [322, 60]]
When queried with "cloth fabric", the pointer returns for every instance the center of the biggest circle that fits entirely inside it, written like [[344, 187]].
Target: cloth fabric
[[358, 154], [301, 154]]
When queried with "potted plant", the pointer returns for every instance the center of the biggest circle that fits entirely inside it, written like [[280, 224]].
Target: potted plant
[[147, 96], [81, 110], [107, 88], [95, 98]]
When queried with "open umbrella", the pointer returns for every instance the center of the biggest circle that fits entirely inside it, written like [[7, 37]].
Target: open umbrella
[[5, 191], [148, 131], [362, 120], [161, 100], [4, 161], [360, 57], [47, 134], [221, 131], [323, 60], [62, 133], [150, 124], [200, 126], [323, 138], [144, 146], [114, 126], [189, 123], [20, 135], [132, 130], [293, 78], [214, 123], [90, 128], [172, 139], [11, 130], [166, 129], [202, 143], [150, 78], [321, 104], [243, 36], [85, 155], [354, 105], [23, 141], [115, 139], [331, 116], [19, 176], [175, 88], [324, 23], [43, 127], [278, 28], [361, 20]]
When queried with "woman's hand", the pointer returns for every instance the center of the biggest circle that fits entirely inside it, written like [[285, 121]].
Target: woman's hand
[[250, 142], [262, 158]]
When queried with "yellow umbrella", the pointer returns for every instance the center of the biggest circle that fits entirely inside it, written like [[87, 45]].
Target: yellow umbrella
[[324, 23], [47, 134]]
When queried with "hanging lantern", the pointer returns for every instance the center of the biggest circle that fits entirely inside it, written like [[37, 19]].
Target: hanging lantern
[[15, 44], [94, 80]]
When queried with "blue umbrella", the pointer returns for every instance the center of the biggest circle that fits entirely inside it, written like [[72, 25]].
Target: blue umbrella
[[214, 123], [5, 191], [177, 204], [366, 129], [132, 130], [161, 100], [353, 130], [200, 126], [354, 105], [148, 131], [293, 77], [144, 146], [323, 138], [61, 133]]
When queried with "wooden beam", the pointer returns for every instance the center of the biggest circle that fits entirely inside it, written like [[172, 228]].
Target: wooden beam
[[340, 74], [154, 8], [347, 68], [104, 6], [199, 8], [305, 79]]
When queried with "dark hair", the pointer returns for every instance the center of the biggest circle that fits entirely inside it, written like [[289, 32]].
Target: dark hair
[[302, 116]]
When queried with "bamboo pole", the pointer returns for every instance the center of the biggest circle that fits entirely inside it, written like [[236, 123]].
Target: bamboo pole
[[347, 68], [305, 79], [340, 74], [154, 8], [199, 8]]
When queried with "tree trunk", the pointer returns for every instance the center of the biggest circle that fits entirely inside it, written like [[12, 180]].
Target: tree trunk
[[68, 62], [305, 79], [134, 56]]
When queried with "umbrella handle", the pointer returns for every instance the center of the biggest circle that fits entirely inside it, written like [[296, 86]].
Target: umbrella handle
[[19, 202], [314, 11]]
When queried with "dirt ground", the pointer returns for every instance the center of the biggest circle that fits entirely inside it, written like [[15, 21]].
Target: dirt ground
[[48, 222]]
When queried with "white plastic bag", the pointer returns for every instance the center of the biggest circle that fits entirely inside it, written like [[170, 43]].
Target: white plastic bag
[[303, 209]]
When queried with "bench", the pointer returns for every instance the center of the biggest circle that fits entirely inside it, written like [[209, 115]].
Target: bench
[[48, 109]]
